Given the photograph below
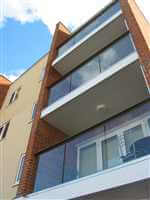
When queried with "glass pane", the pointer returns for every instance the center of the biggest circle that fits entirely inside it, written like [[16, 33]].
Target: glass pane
[[119, 50], [65, 47], [110, 152], [59, 90], [50, 169], [132, 135], [88, 160], [87, 72]]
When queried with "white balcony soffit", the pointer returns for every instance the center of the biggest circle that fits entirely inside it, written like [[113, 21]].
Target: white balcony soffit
[[118, 88], [102, 36], [132, 172]]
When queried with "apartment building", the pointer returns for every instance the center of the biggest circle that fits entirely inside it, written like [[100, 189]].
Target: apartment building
[[17, 102], [90, 137]]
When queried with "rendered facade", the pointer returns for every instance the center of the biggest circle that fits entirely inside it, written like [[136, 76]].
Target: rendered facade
[[90, 137], [16, 117]]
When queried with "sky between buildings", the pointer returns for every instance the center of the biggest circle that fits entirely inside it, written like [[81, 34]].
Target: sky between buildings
[[27, 26]]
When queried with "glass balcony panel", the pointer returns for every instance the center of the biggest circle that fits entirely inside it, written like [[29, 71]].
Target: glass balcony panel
[[95, 150], [65, 47], [119, 50], [97, 22], [87, 72], [59, 90], [108, 13], [96, 65], [50, 168]]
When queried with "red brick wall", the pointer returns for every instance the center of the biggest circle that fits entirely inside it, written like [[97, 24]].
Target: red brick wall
[[42, 135], [4, 86], [140, 30]]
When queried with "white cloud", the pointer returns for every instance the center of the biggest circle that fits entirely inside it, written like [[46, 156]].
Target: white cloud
[[70, 12], [12, 76]]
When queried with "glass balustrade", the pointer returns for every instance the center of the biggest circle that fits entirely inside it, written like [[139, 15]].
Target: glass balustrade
[[86, 30], [116, 142], [117, 51]]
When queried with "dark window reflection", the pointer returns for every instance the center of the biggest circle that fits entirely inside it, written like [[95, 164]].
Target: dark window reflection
[[87, 72], [59, 90], [116, 52], [50, 169]]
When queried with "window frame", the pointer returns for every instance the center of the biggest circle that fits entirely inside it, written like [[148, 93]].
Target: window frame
[[34, 106], [14, 95], [19, 168], [121, 141], [4, 127]]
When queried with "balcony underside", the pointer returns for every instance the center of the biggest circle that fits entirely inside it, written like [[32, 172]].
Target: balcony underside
[[117, 89], [97, 40]]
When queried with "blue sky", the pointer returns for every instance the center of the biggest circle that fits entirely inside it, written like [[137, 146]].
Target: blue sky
[[27, 26], [21, 45]]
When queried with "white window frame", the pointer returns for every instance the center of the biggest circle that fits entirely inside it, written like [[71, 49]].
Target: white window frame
[[42, 74], [20, 168], [15, 96], [121, 141], [3, 126], [33, 111]]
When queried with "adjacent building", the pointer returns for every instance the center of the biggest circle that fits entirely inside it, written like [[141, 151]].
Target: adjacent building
[[17, 109], [90, 137]]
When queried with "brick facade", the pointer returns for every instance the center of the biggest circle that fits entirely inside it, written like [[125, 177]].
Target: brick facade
[[42, 135], [4, 86]]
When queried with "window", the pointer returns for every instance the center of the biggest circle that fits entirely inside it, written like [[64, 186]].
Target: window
[[3, 130], [132, 135], [88, 160], [98, 155], [110, 152], [42, 73], [14, 95], [33, 110], [114, 149], [20, 168]]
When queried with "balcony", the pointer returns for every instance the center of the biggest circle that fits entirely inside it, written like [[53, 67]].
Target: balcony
[[118, 148], [104, 86], [93, 37]]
